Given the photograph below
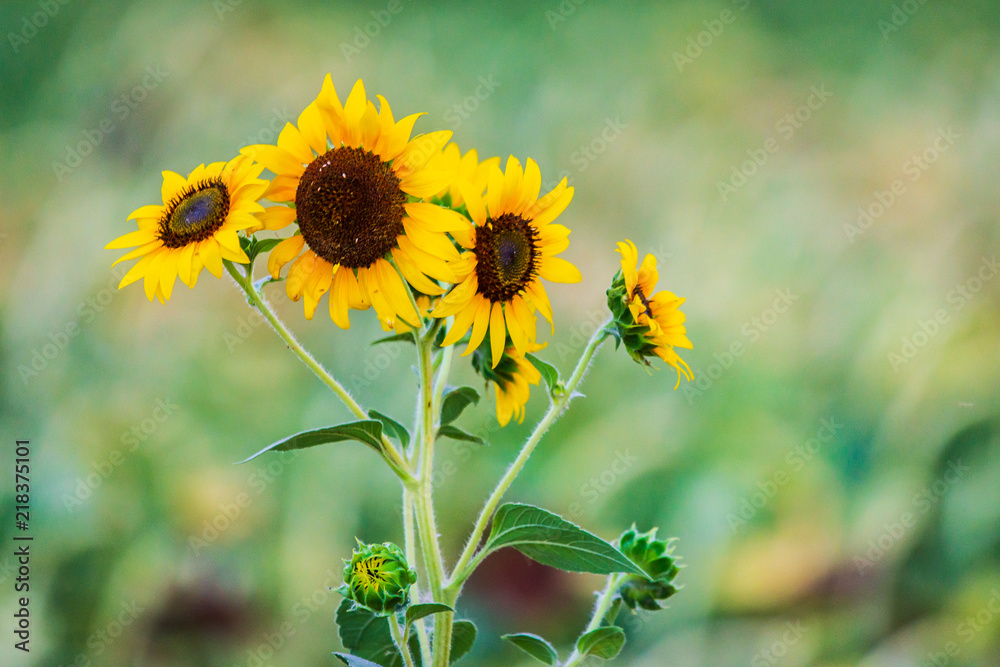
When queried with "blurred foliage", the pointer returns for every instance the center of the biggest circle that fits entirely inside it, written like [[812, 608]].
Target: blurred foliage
[[812, 485]]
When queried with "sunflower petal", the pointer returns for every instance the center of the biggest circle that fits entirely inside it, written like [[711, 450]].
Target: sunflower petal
[[141, 237], [558, 270], [212, 256], [395, 292], [173, 183], [283, 253], [498, 333], [479, 325]]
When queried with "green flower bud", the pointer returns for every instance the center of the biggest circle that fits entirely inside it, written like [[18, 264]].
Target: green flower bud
[[655, 558], [378, 578]]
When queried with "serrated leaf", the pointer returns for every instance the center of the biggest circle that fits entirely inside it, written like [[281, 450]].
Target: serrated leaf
[[367, 432], [549, 372], [455, 401], [535, 646], [418, 611], [392, 427], [463, 636], [354, 661], [551, 540], [605, 643], [403, 337], [455, 433]]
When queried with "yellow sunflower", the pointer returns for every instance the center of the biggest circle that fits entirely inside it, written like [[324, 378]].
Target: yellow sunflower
[[353, 177], [512, 246], [512, 385], [658, 311], [468, 171], [195, 227]]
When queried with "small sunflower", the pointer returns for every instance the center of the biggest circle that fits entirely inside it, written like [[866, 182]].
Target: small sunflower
[[657, 314], [353, 179], [511, 377], [196, 226], [468, 172], [512, 246]]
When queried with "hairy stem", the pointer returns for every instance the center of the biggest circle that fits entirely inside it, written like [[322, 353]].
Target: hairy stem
[[467, 561], [410, 551], [604, 601], [399, 638], [245, 282]]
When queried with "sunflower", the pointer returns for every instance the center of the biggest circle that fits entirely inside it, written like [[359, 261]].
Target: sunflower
[[511, 377], [352, 178], [512, 246], [658, 312], [195, 227], [468, 172]]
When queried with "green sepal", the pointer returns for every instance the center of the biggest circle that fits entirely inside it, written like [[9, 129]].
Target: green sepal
[[391, 427], [551, 540], [455, 401], [659, 566], [406, 337], [548, 372], [367, 432], [456, 433], [535, 646], [605, 643]]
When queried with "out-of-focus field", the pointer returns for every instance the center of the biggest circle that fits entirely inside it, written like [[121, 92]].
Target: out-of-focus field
[[818, 179]]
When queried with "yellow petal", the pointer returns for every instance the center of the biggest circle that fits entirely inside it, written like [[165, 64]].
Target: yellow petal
[[184, 264], [276, 217], [419, 151], [433, 243], [152, 279], [512, 185], [437, 218], [140, 251], [278, 160], [552, 212], [340, 297], [292, 142], [168, 273], [313, 130], [494, 193], [479, 325], [558, 270], [301, 269], [149, 211], [396, 139], [396, 292], [424, 183], [283, 253], [141, 237], [517, 335], [463, 320], [212, 256], [474, 202], [498, 333], [173, 184], [317, 284], [370, 127], [137, 271], [413, 274], [531, 185]]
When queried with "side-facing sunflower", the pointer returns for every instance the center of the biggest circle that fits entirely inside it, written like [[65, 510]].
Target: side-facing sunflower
[[195, 227], [657, 315], [511, 377], [512, 246], [354, 177], [469, 172]]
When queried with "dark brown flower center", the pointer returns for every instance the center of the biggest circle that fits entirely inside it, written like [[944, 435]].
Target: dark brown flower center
[[195, 213], [506, 253], [637, 292], [350, 207]]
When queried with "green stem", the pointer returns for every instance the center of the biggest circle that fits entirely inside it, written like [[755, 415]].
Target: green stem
[[245, 281], [410, 551], [468, 561], [601, 608], [399, 637]]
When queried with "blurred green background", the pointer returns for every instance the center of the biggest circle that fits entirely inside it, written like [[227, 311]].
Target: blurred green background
[[818, 179]]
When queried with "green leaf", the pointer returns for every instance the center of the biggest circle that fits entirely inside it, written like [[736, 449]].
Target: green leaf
[[463, 636], [549, 372], [261, 283], [603, 643], [354, 661], [454, 433], [266, 245], [551, 540], [535, 646], [366, 635], [403, 337], [392, 427], [455, 401], [368, 432], [418, 611]]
